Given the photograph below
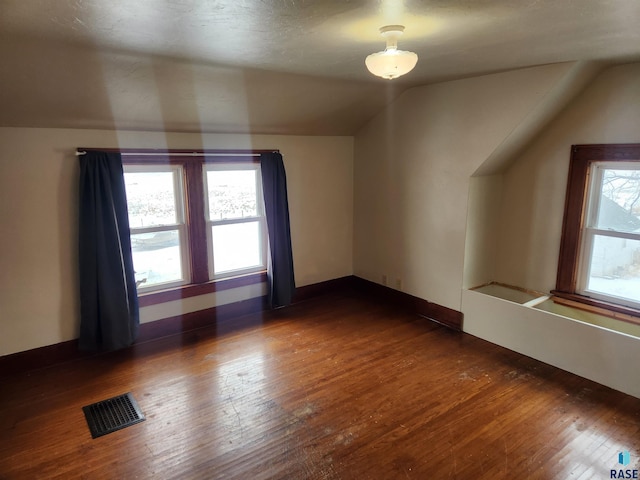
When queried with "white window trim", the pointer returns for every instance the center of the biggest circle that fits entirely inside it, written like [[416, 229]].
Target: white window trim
[[590, 231], [180, 225], [260, 218]]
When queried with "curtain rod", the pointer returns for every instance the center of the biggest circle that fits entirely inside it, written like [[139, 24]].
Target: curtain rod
[[189, 154]]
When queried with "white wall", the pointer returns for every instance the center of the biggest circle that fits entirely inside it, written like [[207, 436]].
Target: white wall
[[413, 164], [38, 228], [528, 238], [480, 255]]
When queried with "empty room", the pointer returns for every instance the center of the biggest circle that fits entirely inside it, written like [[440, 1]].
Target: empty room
[[319, 240]]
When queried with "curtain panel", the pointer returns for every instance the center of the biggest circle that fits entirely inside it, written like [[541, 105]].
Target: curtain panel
[[109, 315], [280, 277]]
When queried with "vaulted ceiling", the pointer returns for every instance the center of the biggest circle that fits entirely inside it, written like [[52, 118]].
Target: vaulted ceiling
[[280, 66]]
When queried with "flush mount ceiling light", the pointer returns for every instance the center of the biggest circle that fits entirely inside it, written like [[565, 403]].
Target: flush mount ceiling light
[[391, 63]]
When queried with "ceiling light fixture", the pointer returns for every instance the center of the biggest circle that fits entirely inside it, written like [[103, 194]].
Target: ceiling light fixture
[[391, 63]]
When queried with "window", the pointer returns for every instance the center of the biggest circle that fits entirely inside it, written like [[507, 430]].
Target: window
[[610, 252], [600, 250], [158, 231], [197, 222], [235, 219]]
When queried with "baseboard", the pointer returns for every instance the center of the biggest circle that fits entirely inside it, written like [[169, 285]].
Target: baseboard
[[225, 318], [342, 284], [36, 358], [446, 316]]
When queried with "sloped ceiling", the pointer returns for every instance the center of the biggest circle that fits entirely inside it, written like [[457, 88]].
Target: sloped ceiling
[[281, 66]]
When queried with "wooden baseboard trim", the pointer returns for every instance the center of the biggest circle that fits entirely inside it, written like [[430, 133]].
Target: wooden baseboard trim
[[446, 316], [307, 292], [225, 318], [36, 358]]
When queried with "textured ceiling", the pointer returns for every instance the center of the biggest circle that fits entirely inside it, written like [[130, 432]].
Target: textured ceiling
[[282, 66]]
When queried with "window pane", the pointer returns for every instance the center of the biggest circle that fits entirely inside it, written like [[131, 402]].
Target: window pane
[[615, 267], [150, 198], [232, 194], [156, 257], [619, 207], [236, 246]]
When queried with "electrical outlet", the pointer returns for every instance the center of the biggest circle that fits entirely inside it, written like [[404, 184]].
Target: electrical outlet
[[384, 279]]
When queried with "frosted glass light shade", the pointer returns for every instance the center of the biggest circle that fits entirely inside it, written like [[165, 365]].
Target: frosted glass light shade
[[391, 63]]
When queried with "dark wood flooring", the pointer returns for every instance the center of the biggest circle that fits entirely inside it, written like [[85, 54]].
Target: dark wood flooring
[[337, 387]]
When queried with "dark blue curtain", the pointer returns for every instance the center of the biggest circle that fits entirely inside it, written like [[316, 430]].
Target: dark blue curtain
[[280, 279], [109, 315]]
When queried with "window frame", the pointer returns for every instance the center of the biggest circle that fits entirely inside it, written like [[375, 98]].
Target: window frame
[[568, 281], [193, 185]]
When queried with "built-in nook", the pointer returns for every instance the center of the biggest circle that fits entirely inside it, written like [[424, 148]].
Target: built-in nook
[[584, 343], [514, 226], [523, 317]]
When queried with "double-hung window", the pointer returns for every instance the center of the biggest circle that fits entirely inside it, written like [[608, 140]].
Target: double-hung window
[[235, 219], [197, 221], [155, 200], [600, 249], [610, 267]]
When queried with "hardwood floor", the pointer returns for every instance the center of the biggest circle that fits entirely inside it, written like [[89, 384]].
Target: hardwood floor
[[338, 387]]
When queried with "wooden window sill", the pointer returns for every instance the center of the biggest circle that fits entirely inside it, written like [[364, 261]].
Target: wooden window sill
[[193, 290], [606, 309]]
